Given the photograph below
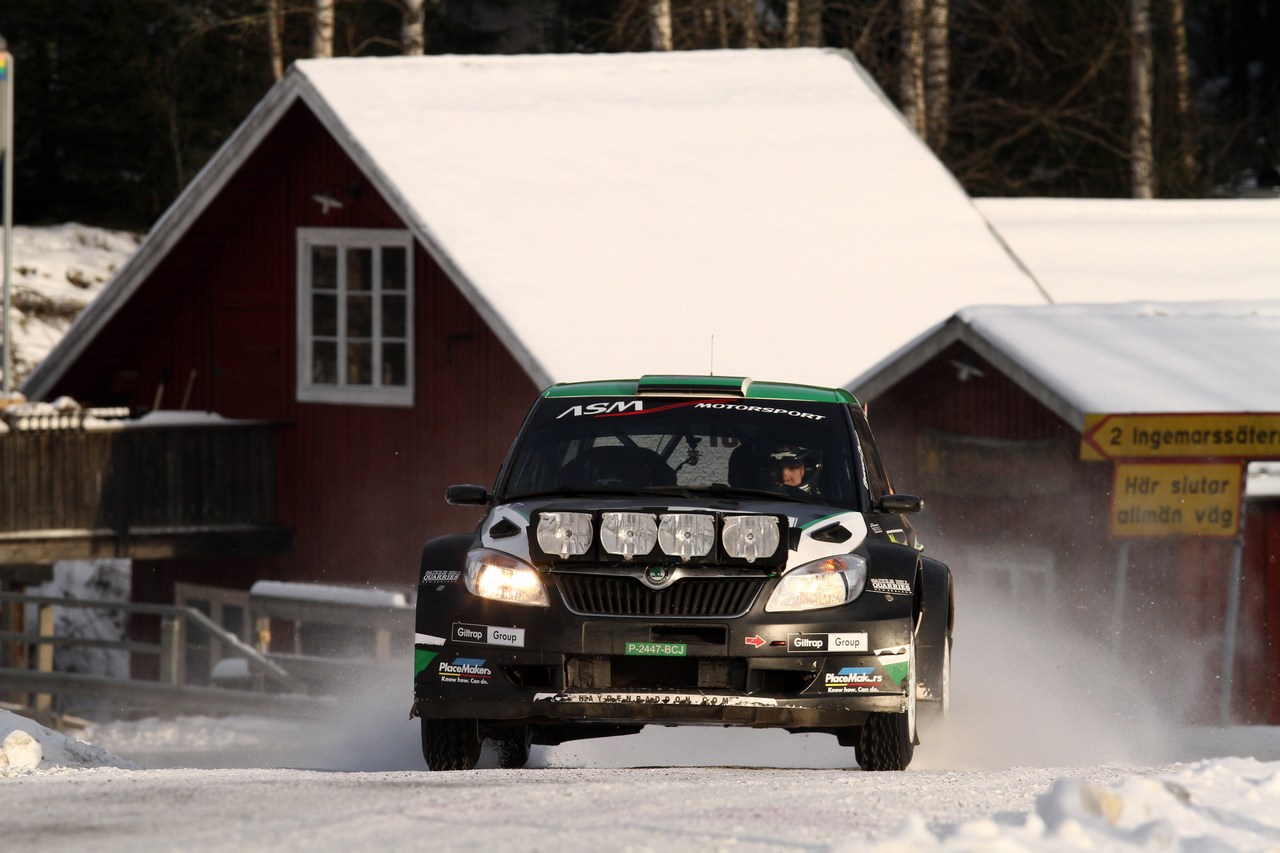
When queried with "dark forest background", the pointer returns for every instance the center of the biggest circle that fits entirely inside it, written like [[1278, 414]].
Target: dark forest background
[[120, 102]]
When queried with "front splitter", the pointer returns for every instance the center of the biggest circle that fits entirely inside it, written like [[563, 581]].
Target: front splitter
[[677, 709]]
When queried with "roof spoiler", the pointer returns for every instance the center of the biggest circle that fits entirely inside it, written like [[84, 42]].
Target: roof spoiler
[[693, 386]]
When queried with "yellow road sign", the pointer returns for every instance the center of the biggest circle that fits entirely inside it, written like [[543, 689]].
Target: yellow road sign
[[1206, 435], [1171, 499]]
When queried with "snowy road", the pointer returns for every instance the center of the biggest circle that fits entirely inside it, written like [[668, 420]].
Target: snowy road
[[1063, 753], [564, 809]]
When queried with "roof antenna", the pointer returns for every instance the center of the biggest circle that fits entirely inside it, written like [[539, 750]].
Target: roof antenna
[[712, 372]]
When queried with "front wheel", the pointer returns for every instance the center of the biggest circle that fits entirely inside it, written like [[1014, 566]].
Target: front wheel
[[885, 742], [449, 744]]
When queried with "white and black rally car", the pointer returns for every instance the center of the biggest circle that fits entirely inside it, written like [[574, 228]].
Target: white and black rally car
[[682, 550]]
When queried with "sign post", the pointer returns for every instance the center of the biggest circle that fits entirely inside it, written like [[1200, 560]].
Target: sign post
[[1183, 475], [6, 147]]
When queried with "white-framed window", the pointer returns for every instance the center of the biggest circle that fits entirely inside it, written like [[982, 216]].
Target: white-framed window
[[355, 316]]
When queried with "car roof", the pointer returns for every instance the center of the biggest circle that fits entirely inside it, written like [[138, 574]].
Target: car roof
[[728, 387]]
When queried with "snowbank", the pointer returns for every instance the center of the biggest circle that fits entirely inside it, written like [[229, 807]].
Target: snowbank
[[29, 747], [1223, 804]]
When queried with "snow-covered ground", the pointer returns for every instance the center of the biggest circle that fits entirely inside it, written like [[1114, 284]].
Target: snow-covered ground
[[682, 789], [57, 270], [1055, 743]]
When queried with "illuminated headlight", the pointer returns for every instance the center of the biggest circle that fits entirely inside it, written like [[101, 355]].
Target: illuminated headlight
[[749, 537], [491, 574], [628, 533], [565, 533], [823, 583], [686, 535]]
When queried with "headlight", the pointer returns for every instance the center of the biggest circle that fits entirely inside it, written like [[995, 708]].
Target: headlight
[[565, 533], [750, 537], [686, 535], [628, 533], [491, 574], [823, 583]]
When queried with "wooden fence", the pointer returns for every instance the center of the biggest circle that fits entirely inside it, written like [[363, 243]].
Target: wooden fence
[[135, 491]]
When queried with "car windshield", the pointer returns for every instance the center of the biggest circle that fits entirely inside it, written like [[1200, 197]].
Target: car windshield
[[610, 445]]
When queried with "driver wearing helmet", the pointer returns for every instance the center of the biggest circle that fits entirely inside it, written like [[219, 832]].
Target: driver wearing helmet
[[791, 466]]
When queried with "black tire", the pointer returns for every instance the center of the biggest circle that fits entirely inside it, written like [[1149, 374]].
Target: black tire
[[451, 744], [512, 748], [935, 709], [885, 742], [933, 642]]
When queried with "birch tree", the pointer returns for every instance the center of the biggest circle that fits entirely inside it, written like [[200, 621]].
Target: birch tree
[[322, 29], [937, 75], [660, 29], [911, 65], [810, 23], [1141, 153], [275, 48], [750, 27], [791, 25], [412, 32], [1182, 93]]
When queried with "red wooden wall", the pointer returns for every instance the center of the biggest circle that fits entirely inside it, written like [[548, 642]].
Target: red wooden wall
[[1175, 591], [363, 486]]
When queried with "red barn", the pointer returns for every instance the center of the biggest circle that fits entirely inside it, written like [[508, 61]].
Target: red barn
[[392, 256], [985, 416]]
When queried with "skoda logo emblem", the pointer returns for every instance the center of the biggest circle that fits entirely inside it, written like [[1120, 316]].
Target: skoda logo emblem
[[657, 575]]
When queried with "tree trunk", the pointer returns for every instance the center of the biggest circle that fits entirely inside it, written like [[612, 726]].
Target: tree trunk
[[1182, 90], [1142, 157], [412, 35], [322, 31], [660, 25], [750, 28], [274, 46], [911, 65], [937, 75], [811, 23]]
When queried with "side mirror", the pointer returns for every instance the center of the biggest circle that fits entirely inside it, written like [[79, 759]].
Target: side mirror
[[467, 494], [900, 504]]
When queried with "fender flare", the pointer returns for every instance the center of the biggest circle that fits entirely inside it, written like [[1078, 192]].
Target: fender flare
[[445, 553]]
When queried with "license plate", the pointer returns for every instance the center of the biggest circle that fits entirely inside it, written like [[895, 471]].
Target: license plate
[[669, 650]]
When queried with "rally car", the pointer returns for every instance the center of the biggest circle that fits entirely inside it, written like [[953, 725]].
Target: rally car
[[682, 550]]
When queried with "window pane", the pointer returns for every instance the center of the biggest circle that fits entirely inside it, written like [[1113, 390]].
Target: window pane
[[324, 267], [393, 316], [359, 317], [324, 363], [233, 619], [359, 269], [359, 363], [324, 314], [393, 364], [393, 268]]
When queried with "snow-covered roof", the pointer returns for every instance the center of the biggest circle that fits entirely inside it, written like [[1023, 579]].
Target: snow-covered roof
[[1119, 250], [1078, 359], [328, 594], [764, 213]]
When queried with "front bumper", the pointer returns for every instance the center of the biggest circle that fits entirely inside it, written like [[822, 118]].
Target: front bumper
[[756, 672]]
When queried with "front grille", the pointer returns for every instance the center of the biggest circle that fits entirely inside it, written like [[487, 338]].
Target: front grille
[[614, 595]]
